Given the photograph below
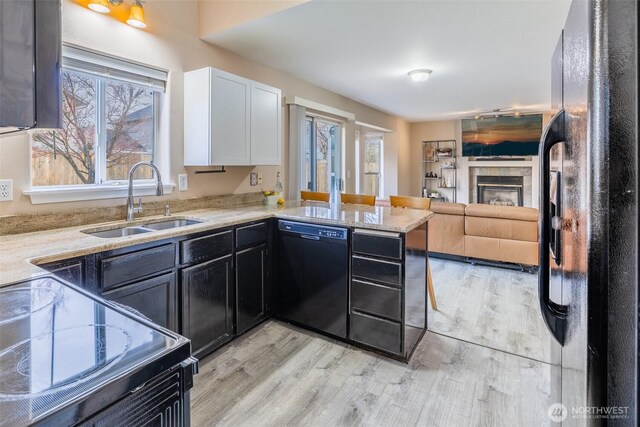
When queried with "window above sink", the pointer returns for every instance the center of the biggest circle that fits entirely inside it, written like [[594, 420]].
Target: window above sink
[[111, 115]]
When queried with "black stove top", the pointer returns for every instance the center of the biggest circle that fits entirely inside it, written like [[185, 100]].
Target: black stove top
[[59, 345]]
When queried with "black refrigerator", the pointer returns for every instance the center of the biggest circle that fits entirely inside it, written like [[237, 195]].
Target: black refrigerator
[[588, 279]]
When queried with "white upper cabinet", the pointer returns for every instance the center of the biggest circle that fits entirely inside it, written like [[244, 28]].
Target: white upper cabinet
[[230, 120], [265, 124]]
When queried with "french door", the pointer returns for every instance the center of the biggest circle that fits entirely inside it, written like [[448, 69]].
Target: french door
[[372, 164], [322, 153]]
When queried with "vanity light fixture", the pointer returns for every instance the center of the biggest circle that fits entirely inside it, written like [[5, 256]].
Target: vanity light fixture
[[99, 6], [136, 15], [420, 75], [102, 6]]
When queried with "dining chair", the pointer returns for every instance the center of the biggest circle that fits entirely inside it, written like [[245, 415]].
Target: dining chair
[[358, 199], [418, 203], [317, 196]]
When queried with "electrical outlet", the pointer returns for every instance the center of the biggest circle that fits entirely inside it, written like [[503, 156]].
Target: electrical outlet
[[182, 182], [253, 179], [259, 179], [6, 190]]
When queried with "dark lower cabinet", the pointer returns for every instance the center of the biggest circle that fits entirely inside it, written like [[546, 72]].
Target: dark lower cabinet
[[156, 298], [251, 281], [207, 304]]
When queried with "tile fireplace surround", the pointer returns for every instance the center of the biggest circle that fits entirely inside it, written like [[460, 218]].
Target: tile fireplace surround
[[524, 171]]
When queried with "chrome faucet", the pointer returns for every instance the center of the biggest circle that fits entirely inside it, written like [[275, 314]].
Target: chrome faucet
[[131, 208]]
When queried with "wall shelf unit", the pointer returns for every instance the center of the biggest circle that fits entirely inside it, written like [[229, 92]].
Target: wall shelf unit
[[439, 169]]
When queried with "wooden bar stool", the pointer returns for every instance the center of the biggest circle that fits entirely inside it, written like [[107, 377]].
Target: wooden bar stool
[[418, 203], [317, 196], [358, 199]]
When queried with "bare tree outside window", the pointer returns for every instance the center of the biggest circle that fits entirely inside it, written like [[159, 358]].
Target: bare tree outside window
[[67, 157], [72, 156], [129, 111]]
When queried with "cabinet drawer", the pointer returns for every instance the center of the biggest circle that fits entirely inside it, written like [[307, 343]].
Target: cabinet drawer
[[377, 244], [379, 333], [250, 235], [205, 248], [128, 267], [377, 270], [376, 299]]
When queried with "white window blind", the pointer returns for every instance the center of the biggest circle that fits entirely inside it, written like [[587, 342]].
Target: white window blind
[[83, 60]]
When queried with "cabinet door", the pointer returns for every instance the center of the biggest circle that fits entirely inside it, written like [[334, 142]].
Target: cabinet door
[[230, 114], [156, 298], [266, 124], [71, 270], [251, 279], [207, 305]]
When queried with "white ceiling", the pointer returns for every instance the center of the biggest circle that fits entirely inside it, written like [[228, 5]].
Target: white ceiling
[[484, 54]]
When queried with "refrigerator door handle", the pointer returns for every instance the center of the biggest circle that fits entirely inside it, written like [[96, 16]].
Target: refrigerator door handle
[[555, 315]]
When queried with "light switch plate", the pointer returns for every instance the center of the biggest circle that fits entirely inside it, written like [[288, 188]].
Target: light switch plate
[[6, 190], [259, 179], [182, 182]]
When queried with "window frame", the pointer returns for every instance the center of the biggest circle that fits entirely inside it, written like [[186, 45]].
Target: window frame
[[101, 125], [106, 69]]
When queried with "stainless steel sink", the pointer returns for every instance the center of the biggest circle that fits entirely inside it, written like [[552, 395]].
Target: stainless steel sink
[[139, 229], [119, 232], [173, 223]]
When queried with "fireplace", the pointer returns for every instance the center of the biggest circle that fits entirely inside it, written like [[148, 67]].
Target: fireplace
[[500, 190]]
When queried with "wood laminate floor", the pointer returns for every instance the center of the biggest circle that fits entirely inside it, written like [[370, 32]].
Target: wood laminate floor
[[280, 375], [494, 307]]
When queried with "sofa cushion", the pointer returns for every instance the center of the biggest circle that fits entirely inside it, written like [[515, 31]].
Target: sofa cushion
[[507, 212], [446, 233], [498, 228], [447, 208]]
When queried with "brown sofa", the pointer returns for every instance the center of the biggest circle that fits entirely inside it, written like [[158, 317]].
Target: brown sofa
[[497, 233]]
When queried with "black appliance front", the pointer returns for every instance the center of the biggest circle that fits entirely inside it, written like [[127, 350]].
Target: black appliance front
[[590, 250], [66, 354], [314, 266]]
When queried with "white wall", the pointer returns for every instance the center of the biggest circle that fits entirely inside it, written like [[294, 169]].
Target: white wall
[[172, 42]]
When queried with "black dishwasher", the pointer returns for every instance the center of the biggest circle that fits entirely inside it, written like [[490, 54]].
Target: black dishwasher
[[314, 271]]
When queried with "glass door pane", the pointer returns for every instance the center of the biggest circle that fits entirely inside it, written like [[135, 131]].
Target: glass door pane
[[327, 153], [322, 158], [372, 164], [309, 156]]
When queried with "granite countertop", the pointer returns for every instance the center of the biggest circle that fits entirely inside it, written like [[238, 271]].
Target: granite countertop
[[19, 252]]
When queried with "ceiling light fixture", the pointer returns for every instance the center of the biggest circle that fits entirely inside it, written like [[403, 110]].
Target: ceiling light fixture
[[136, 15], [420, 76]]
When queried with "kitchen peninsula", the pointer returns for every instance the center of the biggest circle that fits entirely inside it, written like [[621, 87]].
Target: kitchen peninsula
[[236, 251]]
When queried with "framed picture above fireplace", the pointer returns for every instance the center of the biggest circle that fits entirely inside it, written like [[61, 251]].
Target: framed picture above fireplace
[[501, 136]]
